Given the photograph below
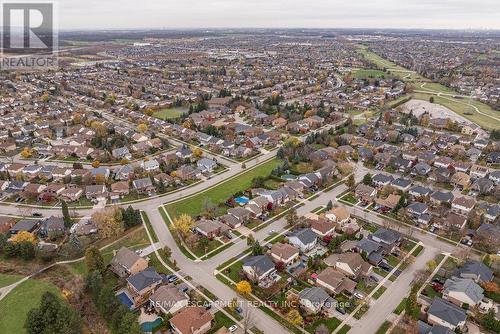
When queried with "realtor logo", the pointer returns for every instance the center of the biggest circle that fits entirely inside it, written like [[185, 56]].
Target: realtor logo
[[29, 37]]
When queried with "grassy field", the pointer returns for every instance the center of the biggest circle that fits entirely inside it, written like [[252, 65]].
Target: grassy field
[[6, 280], [461, 107], [15, 306], [331, 324], [170, 113], [366, 73], [220, 193]]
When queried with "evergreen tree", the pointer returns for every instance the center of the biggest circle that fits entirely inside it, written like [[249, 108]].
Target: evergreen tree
[[65, 212]]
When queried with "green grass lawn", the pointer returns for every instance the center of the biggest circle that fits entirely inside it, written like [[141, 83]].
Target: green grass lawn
[[171, 113], [219, 194], [6, 280], [221, 320], [350, 198], [15, 306], [379, 292], [366, 73], [384, 328], [331, 324], [400, 307]]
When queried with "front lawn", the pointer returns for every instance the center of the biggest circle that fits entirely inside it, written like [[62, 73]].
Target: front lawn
[[15, 306], [350, 198], [222, 192], [331, 324], [221, 320], [400, 307], [6, 280]]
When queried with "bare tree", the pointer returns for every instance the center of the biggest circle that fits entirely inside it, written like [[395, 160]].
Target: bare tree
[[248, 319]]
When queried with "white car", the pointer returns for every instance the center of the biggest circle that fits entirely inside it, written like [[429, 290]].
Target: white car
[[233, 328], [358, 295]]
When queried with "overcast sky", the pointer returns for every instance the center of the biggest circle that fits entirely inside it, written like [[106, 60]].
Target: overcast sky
[[119, 14]]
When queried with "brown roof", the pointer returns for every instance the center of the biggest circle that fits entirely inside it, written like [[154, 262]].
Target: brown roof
[[191, 319], [284, 251], [323, 226], [467, 202], [337, 280], [341, 213]]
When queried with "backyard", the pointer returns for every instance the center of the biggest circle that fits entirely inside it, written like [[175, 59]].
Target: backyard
[[223, 191]]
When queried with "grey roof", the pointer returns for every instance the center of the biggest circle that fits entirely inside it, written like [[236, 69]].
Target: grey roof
[[142, 183], [442, 196], [260, 263], [368, 246], [388, 236], [420, 190], [417, 207], [24, 225], [403, 183], [145, 278], [382, 178], [125, 257], [305, 235], [477, 269], [465, 285], [447, 311], [315, 295]]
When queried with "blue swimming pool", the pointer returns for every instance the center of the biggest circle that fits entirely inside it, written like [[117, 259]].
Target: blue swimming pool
[[242, 200], [125, 300], [148, 327]]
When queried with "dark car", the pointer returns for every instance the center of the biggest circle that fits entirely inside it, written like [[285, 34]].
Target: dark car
[[37, 214], [340, 310]]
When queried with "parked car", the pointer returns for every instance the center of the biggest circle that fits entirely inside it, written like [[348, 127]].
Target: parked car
[[233, 328], [172, 278], [374, 278], [37, 214], [340, 310], [358, 295], [239, 310]]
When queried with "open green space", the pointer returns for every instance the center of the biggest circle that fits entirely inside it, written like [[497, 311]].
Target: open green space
[[223, 191], [6, 280], [170, 113], [384, 328], [366, 74], [15, 306]]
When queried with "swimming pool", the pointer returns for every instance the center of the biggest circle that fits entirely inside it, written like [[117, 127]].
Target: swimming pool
[[125, 300], [289, 177], [242, 200], [148, 327]]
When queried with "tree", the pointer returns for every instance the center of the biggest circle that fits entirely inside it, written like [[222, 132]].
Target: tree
[[142, 128], [109, 222], [257, 249], [291, 217], [184, 223], [250, 240], [26, 153], [412, 308], [94, 260], [367, 179], [431, 265], [26, 250], [65, 212], [167, 252], [431, 99], [244, 288], [197, 152], [490, 286], [23, 236], [52, 316], [329, 205], [322, 329], [295, 318], [96, 164], [490, 322], [350, 181]]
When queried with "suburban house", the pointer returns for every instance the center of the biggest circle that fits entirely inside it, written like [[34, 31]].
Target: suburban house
[[335, 281], [126, 262], [191, 320], [314, 299], [339, 215], [463, 205], [206, 165], [168, 300], [286, 253], [304, 239], [144, 186], [24, 225], [365, 193], [322, 227], [96, 192], [442, 312], [350, 264], [52, 227], [142, 284], [210, 228], [461, 291], [258, 268], [388, 238], [475, 270]]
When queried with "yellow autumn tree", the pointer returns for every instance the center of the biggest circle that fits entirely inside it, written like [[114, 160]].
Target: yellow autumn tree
[[184, 223], [197, 152], [26, 153], [109, 222], [96, 164], [24, 236], [142, 128], [244, 287], [295, 318]]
